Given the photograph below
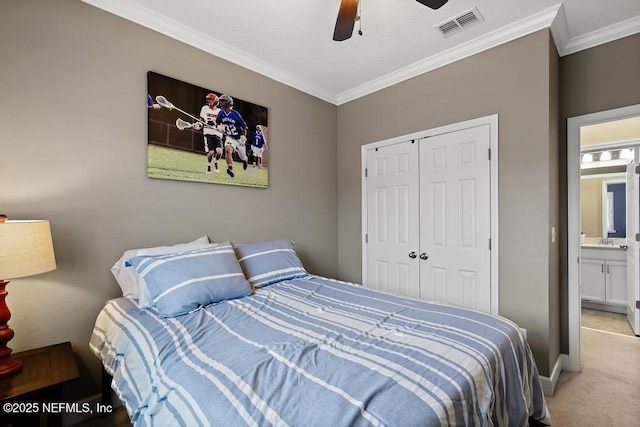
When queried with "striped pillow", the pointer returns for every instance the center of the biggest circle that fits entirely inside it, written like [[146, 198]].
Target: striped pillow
[[269, 262], [181, 282]]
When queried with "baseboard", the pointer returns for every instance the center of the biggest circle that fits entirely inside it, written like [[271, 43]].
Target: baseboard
[[549, 383], [620, 309]]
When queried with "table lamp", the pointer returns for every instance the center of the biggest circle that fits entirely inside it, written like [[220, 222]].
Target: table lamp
[[26, 249]]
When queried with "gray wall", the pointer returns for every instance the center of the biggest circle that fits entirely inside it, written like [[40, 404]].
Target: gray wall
[[598, 79], [516, 81], [73, 133], [73, 138], [555, 214]]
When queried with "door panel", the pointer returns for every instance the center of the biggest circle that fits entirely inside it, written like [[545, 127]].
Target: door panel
[[467, 225], [455, 218], [438, 228], [633, 248], [438, 291], [392, 218], [468, 285], [617, 283], [592, 285]]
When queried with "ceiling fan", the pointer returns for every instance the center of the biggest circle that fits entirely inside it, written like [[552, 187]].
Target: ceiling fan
[[349, 9]]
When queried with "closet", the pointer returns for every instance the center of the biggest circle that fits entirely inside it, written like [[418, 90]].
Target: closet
[[427, 217]]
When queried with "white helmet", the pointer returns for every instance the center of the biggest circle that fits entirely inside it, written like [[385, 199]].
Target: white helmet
[[212, 100]]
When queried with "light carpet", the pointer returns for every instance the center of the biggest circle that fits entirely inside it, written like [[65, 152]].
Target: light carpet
[[607, 390]]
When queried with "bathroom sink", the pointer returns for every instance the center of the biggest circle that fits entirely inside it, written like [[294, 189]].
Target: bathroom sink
[[602, 246]]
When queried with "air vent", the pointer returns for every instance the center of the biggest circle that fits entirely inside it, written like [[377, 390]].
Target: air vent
[[458, 23]]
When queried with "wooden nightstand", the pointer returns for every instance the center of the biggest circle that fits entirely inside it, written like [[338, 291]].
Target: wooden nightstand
[[44, 372]]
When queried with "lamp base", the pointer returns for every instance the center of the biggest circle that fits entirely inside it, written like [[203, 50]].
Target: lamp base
[[8, 366]]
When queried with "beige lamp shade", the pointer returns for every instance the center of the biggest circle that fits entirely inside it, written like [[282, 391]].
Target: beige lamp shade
[[26, 249]]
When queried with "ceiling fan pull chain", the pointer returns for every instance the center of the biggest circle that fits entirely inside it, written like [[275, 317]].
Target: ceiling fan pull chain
[[359, 18]]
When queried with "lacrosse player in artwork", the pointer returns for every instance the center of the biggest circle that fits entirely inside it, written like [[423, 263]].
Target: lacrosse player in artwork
[[212, 141], [258, 146], [235, 130]]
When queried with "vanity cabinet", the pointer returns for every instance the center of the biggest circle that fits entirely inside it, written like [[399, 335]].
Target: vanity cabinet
[[604, 276], [592, 280]]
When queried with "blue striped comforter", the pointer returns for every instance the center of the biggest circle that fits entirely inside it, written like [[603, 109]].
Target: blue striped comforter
[[319, 352]]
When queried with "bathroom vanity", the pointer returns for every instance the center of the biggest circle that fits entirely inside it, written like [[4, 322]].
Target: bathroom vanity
[[604, 276]]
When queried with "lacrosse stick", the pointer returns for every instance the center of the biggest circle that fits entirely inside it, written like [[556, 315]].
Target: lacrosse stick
[[164, 102], [183, 124]]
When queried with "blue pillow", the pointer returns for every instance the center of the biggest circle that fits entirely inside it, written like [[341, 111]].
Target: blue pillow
[[181, 282], [269, 262]]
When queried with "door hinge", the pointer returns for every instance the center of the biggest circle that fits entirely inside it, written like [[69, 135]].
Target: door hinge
[[637, 169], [637, 304], [637, 237], [366, 238], [489, 243], [489, 153], [366, 172]]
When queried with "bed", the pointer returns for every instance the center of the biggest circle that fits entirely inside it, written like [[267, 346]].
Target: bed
[[305, 350]]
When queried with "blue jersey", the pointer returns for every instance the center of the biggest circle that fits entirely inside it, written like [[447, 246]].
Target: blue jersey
[[233, 122], [258, 140]]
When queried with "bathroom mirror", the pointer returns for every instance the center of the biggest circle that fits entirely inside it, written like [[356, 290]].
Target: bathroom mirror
[[604, 202]]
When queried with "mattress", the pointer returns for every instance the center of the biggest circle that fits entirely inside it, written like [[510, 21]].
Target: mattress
[[315, 351]]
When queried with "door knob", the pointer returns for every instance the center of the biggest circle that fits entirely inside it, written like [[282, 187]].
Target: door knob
[[412, 255], [424, 256]]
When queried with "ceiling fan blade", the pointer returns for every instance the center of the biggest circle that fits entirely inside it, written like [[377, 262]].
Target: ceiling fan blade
[[433, 4], [346, 20]]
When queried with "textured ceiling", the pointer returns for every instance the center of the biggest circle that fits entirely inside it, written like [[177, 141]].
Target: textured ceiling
[[291, 40]]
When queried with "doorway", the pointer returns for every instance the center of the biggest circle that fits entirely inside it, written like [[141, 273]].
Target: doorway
[[575, 128]]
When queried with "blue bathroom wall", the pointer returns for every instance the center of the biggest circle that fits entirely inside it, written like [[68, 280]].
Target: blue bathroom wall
[[619, 209]]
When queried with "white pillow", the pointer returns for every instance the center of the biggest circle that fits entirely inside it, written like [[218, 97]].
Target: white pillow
[[128, 278]]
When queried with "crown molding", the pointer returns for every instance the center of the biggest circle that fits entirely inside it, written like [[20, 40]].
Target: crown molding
[[175, 30], [510, 32], [605, 35], [553, 18], [560, 31]]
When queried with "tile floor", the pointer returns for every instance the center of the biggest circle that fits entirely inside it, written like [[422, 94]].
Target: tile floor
[[606, 321]]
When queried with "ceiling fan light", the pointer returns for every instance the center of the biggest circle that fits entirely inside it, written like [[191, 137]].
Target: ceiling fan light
[[587, 158], [605, 155]]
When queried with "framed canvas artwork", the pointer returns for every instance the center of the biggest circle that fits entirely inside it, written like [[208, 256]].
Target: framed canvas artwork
[[203, 135]]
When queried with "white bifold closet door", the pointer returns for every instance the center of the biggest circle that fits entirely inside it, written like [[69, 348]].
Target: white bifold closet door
[[428, 218], [393, 222], [455, 218]]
